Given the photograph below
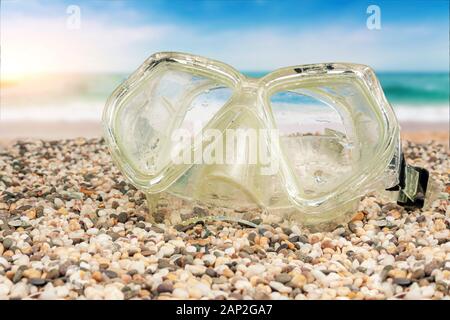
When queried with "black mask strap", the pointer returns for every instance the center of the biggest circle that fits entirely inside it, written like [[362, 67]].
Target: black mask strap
[[412, 186]]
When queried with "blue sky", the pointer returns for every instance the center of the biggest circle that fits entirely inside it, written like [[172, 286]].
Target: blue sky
[[251, 35]]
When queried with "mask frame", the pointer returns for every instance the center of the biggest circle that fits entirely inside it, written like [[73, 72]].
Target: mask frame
[[387, 169]]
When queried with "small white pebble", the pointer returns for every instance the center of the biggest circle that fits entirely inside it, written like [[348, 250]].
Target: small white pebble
[[191, 249], [180, 293]]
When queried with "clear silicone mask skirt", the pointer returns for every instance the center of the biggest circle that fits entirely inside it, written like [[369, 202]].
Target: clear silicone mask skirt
[[300, 145]]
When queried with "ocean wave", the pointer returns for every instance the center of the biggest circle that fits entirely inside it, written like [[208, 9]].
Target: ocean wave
[[76, 112]]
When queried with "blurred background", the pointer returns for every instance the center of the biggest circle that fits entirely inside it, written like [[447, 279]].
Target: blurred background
[[60, 60]]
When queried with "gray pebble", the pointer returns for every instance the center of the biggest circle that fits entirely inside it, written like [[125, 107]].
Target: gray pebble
[[38, 281], [7, 243], [164, 263], [283, 278], [402, 281], [156, 229], [15, 223], [123, 217], [58, 203], [211, 272], [110, 274], [18, 274], [165, 287], [251, 237]]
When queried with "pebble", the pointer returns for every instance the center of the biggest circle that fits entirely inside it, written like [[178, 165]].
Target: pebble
[[252, 236], [97, 276], [180, 293], [32, 273], [414, 294], [229, 251], [298, 281], [191, 249], [165, 287], [18, 275], [111, 274], [211, 272], [243, 285], [58, 203], [7, 243], [93, 293], [164, 263], [19, 290], [4, 263], [85, 266], [123, 217], [196, 269], [418, 274], [283, 278], [167, 250], [358, 216], [279, 287], [430, 267], [402, 281], [113, 293], [209, 259], [4, 290], [255, 269], [38, 281]]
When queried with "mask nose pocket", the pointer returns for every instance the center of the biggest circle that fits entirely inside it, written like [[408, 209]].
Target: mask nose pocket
[[241, 182], [234, 181]]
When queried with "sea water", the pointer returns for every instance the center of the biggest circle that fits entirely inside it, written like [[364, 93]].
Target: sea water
[[415, 96]]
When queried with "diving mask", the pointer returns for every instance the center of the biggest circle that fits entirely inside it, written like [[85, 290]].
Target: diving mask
[[300, 145]]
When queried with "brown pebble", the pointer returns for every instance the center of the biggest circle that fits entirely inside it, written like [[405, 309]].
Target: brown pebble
[[165, 287], [327, 243], [260, 295], [115, 205], [97, 276], [252, 236], [283, 278], [52, 274], [359, 216], [430, 267], [418, 274], [144, 294]]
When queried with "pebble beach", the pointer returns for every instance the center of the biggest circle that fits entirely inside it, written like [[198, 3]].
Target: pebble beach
[[71, 227]]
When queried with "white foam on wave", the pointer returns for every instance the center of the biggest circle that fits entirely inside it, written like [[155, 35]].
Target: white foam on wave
[[429, 114], [76, 112]]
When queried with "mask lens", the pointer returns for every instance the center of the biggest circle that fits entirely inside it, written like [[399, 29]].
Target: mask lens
[[169, 107], [315, 140]]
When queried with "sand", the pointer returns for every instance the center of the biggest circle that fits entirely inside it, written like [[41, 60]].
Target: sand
[[10, 131], [71, 227]]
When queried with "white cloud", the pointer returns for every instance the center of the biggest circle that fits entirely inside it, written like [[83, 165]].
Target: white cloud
[[106, 44], [272, 47]]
